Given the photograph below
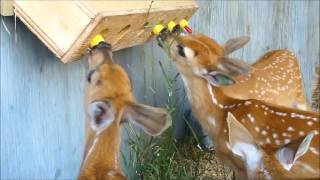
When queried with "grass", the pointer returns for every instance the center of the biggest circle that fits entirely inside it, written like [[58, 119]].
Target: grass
[[155, 158]]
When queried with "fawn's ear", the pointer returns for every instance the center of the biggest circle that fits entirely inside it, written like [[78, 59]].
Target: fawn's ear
[[234, 44], [289, 153], [242, 143], [101, 115], [232, 66], [218, 79], [151, 119]]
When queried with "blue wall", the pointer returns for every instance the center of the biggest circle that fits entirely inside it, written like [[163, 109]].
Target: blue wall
[[42, 121]]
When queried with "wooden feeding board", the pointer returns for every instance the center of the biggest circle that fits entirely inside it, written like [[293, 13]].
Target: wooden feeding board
[[66, 27]]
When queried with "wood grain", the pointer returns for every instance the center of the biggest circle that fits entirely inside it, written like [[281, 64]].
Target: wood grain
[[66, 27], [6, 7]]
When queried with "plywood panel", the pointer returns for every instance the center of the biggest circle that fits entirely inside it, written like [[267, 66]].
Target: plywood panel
[[6, 7], [119, 7], [66, 27], [59, 22], [123, 31]]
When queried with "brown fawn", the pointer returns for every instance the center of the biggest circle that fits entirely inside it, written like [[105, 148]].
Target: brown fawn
[[108, 102], [214, 88], [265, 163]]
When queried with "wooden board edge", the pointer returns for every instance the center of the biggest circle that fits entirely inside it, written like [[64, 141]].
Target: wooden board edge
[[68, 56], [6, 8], [37, 31]]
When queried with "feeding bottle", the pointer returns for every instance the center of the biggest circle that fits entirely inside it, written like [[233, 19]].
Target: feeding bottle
[[161, 32]]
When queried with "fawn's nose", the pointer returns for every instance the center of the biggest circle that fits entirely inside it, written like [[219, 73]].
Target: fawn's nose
[[162, 37]]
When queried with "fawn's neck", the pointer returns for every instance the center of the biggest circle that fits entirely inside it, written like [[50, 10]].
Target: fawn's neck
[[101, 159], [204, 102]]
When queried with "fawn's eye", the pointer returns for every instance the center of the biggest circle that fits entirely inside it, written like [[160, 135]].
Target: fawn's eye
[[181, 50], [186, 52]]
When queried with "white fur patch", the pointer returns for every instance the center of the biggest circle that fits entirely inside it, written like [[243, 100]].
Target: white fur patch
[[189, 52], [111, 173], [212, 121], [91, 149], [249, 153]]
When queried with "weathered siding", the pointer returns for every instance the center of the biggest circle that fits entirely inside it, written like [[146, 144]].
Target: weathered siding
[[41, 98]]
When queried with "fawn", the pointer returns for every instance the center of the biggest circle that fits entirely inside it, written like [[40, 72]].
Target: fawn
[[108, 102], [266, 163], [210, 78]]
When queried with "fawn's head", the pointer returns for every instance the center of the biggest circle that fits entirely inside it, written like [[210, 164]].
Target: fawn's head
[[265, 163], [197, 54], [108, 103]]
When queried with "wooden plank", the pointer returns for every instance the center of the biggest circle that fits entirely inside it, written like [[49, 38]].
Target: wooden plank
[[6, 7], [41, 109], [131, 7], [67, 26], [57, 22], [125, 30]]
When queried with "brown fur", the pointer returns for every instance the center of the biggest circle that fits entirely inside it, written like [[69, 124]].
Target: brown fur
[[252, 84], [109, 85], [212, 117], [104, 157]]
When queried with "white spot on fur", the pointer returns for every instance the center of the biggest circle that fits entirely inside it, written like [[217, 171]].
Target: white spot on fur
[[247, 103], [257, 129], [301, 133], [263, 132], [315, 119], [251, 118], [301, 116], [277, 141], [286, 141], [309, 123], [274, 135], [290, 128], [212, 121], [281, 113], [268, 141], [284, 134]]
